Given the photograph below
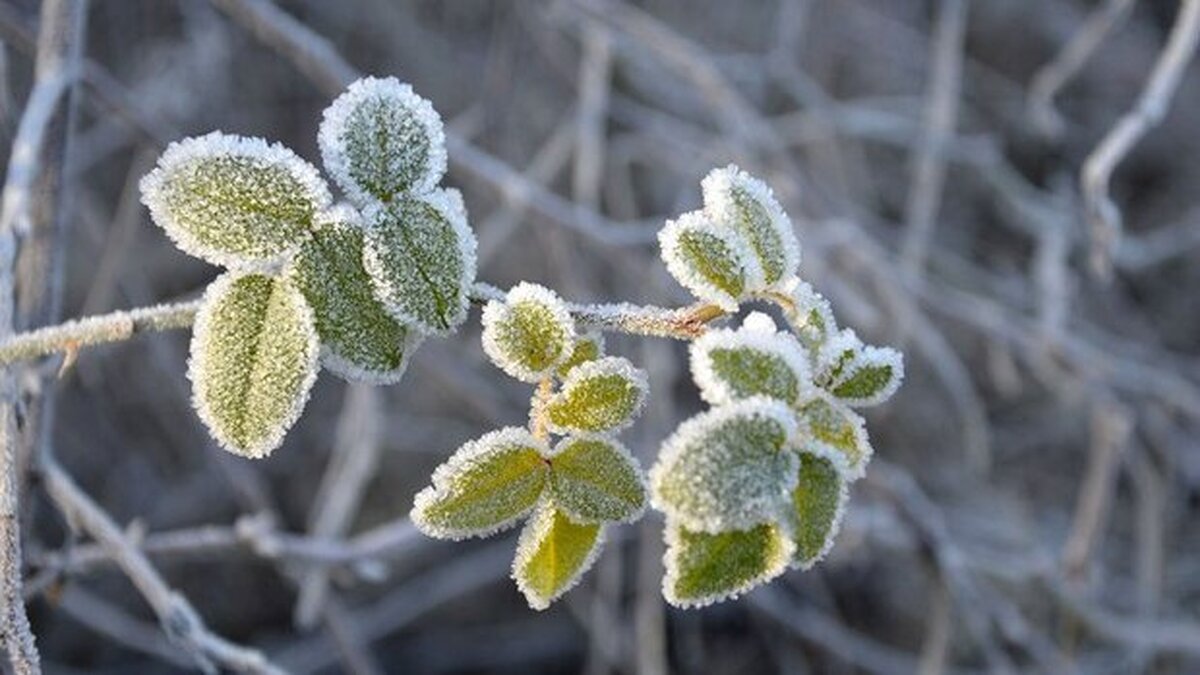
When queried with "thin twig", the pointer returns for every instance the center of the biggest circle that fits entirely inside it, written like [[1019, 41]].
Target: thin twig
[[929, 164], [1067, 63], [1102, 212], [95, 330], [351, 466], [179, 619]]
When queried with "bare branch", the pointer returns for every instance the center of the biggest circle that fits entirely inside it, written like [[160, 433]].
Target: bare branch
[[1102, 213]]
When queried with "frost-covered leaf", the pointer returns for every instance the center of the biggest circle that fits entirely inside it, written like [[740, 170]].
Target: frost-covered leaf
[[598, 396], [712, 262], [552, 555], [380, 139], [485, 486], [737, 200], [818, 503], [835, 355], [232, 200], [834, 425], [597, 480], [420, 254], [704, 567], [588, 347], [253, 360], [755, 360], [809, 314], [727, 468], [359, 340], [870, 377], [529, 334]]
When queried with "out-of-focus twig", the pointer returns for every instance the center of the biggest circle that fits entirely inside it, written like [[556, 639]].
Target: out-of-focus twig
[[352, 464], [1102, 212], [1067, 63], [1111, 426], [179, 619], [941, 113]]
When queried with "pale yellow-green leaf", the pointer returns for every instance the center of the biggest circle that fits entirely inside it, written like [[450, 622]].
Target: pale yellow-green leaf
[[420, 255], [253, 360], [711, 262], [727, 468], [380, 140], [737, 200], [529, 334], [487, 485], [596, 480], [703, 568], [755, 360], [598, 396], [588, 347], [552, 555], [871, 376], [844, 431], [817, 506], [234, 201], [359, 340]]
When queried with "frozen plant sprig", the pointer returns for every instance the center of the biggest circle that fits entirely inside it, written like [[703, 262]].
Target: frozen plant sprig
[[760, 482], [308, 278], [751, 487], [574, 488]]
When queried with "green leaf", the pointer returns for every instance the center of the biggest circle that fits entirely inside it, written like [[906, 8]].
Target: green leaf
[[598, 396], [727, 468], [842, 430], [487, 485], [818, 503], [809, 314], [588, 347], [711, 262], [838, 352], [380, 139], [359, 340], [530, 333], [596, 480], [552, 555], [870, 377], [754, 360], [233, 201], [253, 360], [420, 254], [703, 568], [737, 200]]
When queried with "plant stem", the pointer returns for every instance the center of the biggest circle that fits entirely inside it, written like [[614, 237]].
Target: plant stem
[[683, 323], [69, 337]]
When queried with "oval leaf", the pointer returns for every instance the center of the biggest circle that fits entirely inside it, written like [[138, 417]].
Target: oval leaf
[[553, 554], [809, 314], [842, 431], [588, 347], [420, 254], [486, 485], [727, 468], [739, 201], [359, 340], [870, 377], [530, 333], [599, 396], [818, 503], [232, 200], [380, 140], [596, 480], [754, 360], [713, 263], [703, 568], [253, 360]]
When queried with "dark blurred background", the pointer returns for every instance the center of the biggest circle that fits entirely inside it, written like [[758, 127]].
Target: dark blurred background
[[1033, 504]]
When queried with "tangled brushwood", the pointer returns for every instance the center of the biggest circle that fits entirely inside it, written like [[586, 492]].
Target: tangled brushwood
[[750, 487]]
